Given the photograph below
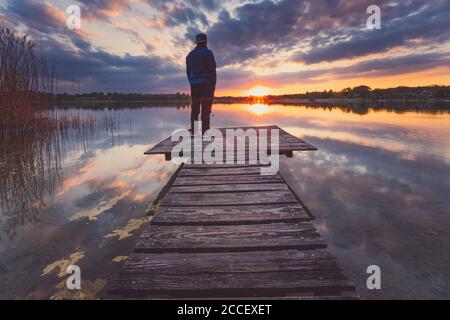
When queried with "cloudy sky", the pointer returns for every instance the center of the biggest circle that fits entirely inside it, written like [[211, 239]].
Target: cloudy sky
[[283, 46]]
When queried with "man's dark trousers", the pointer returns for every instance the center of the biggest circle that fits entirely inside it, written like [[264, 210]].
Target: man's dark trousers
[[202, 95]]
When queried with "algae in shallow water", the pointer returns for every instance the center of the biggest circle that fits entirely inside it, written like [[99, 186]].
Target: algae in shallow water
[[119, 258], [103, 206], [89, 290], [126, 231], [62, 264]]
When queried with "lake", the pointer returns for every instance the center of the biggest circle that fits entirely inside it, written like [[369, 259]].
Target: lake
[[378, 185]]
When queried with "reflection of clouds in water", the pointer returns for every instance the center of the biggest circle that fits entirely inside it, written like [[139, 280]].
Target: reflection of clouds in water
[[377, 186], [407, 147], [114, 174], [109, 163], [112, 178], [374, 206], [33, 157], [408, 132], [423, 172]]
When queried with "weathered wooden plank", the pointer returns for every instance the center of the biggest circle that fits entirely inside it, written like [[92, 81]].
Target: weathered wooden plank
[[168, 146], [282, 135], [197, 143], [236, 179], [231, 262], [232, 161], [220, 171], [229, 161], [222, 166], [287, 142], [229, 215], [257, 128], [283, 149], [273, 236], [228, 198], [235, 284], [230, 188], [196, 274]]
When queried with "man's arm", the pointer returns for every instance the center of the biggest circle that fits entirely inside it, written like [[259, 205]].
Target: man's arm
[[212, 64], [188, 69]]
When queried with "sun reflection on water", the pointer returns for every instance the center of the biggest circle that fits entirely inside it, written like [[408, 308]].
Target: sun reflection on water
[[259, 109]]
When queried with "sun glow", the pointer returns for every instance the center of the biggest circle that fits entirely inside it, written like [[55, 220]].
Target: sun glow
[[259, 109], [259, 91]]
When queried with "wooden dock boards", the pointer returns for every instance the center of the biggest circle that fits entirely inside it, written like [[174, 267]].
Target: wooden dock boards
[[227, 231], [229, 215], [287, 142], [236, 274], [221, 238]]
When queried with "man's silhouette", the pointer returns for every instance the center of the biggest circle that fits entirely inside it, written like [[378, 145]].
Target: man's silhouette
[[201, 72]]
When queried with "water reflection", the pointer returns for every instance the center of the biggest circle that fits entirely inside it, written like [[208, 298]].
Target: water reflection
[[32, 158], [376, 207], [378, 186], [400, 106]]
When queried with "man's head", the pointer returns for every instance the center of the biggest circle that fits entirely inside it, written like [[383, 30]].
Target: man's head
[[201, 39]]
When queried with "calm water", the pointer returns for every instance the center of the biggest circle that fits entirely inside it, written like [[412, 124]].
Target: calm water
[[379, 187]]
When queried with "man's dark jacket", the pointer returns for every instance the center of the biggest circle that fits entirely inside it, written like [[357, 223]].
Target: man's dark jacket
[[201, 67]]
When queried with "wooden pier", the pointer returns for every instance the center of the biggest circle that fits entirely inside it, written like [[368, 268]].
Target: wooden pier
[[226, 231]]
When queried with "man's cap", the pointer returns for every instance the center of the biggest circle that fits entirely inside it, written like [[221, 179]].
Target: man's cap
[[201, 38]]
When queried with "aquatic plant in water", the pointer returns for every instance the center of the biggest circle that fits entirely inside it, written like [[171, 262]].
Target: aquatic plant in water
[[34, 137]]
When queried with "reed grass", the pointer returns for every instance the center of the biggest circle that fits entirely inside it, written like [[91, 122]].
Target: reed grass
[[35, 138]]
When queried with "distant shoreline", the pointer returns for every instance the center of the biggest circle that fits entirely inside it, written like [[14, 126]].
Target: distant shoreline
[[360, 94], [245, 100], [337, 100]]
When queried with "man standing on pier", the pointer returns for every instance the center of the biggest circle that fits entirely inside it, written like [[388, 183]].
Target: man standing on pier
[[201, 72]]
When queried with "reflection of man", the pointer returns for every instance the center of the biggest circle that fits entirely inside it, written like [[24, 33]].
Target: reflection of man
[[201, 72]]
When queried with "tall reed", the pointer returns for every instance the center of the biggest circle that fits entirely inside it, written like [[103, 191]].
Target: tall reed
[[27, 80], [34, 137]]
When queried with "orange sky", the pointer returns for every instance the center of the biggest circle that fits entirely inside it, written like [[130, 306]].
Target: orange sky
[[261, 47], [438, 76]]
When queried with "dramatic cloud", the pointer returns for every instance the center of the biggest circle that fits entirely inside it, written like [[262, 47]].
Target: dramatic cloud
[[41, 16], [190, 13], [366, 69], [326, 30], [140, 45], [105, 9], [103, 71], [427, 26], [45, 20]]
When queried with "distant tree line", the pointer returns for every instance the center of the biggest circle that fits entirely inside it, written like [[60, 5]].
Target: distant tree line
[[124, 97], [361, 92], [365, 92]]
